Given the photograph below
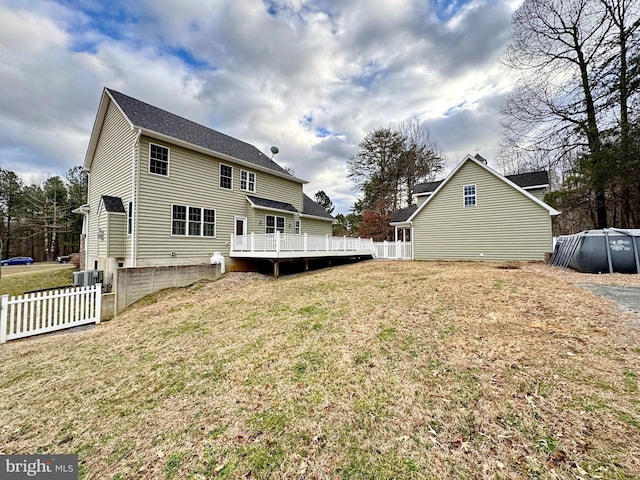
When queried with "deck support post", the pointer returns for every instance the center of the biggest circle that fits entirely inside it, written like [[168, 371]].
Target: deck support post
[[276, 268], [306, 264]]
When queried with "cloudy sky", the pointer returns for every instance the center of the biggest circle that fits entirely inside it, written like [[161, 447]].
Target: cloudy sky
[[312, 77]]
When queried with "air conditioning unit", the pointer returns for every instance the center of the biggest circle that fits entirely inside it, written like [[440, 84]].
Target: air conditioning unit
[[86, 278]]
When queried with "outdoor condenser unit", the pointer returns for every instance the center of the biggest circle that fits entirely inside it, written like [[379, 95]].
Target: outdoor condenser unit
[[86, 278]]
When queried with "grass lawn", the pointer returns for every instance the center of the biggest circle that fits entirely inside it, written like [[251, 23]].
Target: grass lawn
[[377, 370], [34, 277]]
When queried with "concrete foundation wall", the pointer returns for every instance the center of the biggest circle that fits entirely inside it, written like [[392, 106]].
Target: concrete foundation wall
[[132, 284], [108, 310]]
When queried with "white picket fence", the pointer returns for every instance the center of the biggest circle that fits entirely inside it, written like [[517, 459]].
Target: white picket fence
[[43, 312]]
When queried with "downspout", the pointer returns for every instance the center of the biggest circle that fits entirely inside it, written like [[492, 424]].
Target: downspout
[[134, 197]]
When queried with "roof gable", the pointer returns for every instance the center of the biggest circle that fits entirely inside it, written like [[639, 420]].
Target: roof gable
[[509, 182]]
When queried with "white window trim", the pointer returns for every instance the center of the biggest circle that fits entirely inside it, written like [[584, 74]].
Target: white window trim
[[168, 160], [220, 176], [275, 223], [254, 181], [465, 196], [202, 222]]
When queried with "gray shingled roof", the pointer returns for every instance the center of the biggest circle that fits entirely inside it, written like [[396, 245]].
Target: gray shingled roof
[[113, 204], [530, 179], [523, 180], [309, 207], [266, 203], [428, 187], [403, 214], [147, 117]]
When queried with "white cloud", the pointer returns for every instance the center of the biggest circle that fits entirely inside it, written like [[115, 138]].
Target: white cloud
[[312, 78]]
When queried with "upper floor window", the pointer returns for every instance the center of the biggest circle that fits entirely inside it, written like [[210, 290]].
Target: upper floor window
[[226, 176], [158, 159], [247, 181], [274, 224], [469, 195]]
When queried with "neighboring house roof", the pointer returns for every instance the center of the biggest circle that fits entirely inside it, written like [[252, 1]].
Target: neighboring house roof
[[113, 204], [469, 158], [155, 122], [267, 204], [403, 214], [313, 209]]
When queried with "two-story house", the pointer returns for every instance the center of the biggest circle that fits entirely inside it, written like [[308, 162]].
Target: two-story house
[[164, 190]]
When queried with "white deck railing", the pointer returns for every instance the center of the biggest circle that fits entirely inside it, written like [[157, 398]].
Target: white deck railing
[[277, 243], [43, 312], [396, 250]]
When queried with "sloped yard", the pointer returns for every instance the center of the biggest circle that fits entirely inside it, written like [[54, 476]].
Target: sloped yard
[[373, 370]]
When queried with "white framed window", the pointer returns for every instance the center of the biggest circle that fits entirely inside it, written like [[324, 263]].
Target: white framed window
[[130, 219], [226, 176], [178, 220], [273, 224], [193, 221], [469, 197], [297, 227], [158, 160], [247, 181]]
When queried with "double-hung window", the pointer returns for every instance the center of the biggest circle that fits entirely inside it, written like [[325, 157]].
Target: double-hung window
[[274, 224], [247, 181], [179, 220], [193, 221], [469, 196], [297, 227], [226, 176], [158, 159]]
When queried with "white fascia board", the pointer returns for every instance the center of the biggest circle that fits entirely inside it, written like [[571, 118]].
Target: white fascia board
[[82, 209], [401, 224], [533, 187], [315, 217], [223, 156], [552, 211]]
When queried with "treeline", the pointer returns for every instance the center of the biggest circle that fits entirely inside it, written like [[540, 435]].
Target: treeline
[[36, 220], [575, 110], [389, 164]]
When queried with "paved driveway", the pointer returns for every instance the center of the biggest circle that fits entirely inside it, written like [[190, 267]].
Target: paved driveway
[[627, 297]]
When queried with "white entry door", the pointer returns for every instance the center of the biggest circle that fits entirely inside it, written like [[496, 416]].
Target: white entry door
[[240, 232]]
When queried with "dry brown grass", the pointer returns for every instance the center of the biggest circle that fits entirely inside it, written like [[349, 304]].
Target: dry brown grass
[[373, 370]]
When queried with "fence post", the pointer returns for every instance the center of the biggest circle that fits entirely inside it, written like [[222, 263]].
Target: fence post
[[278, 241], [98, 287], [305, 241], [4, 310], [326, 243]]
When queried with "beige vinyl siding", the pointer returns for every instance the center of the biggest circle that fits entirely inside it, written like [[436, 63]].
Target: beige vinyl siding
[[116, 234], [194, 181], [311, 226], [538, 193], [110, 173], [505, 224], [421, 199]]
